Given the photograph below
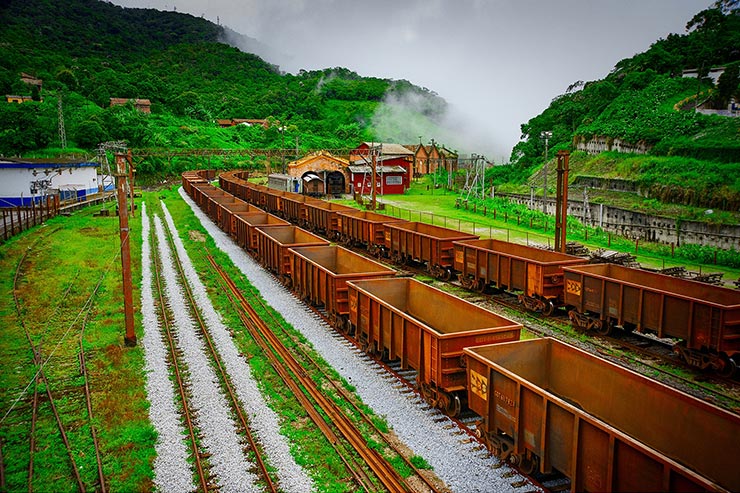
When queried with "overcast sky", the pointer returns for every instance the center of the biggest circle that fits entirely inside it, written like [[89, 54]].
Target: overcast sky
[[497, 62]]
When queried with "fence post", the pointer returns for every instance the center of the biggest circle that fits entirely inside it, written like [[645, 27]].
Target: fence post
[[5, 225], [637, 244], [20, 220]]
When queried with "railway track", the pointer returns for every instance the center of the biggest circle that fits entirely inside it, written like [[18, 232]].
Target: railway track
[[236, 406], [40, 363], [202, 478], [294, 374]]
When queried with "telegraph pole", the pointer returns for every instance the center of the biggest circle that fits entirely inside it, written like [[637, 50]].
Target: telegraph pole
[[375, 176], [561, 202], [545, 135], [128, 298]]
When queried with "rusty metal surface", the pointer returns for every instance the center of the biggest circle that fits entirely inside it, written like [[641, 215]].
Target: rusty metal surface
[[701, 314], [322, 215], [422, 326], [245, 222], [606, 427], [512, 266], [424, 242], [364, 227], [274, 242], [320, 275]]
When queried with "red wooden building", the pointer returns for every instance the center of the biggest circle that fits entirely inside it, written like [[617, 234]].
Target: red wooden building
[[387, 155], [390, 180]]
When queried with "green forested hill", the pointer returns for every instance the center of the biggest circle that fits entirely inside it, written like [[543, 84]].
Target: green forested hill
[[694, 159], [87, 51], [636, 101]]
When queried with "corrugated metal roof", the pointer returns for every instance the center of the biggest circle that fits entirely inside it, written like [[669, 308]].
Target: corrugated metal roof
[[386, 148], [45, 163], [380, 169]]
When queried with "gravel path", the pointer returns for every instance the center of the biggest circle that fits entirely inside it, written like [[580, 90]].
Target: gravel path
[[263, 421], [455, 462], [172, 472], [229, 466]]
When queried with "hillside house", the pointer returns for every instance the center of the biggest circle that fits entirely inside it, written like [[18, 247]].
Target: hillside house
[[18, 99], [428, 159], [143, 105], [250, 122]]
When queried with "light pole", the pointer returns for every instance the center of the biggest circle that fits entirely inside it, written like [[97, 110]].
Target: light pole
[[545, 135]]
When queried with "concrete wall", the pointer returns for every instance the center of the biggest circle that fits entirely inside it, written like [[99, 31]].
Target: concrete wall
[[600, 143], [645, 226]]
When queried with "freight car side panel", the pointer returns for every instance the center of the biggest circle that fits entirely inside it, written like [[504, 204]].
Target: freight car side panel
[[614, 419]]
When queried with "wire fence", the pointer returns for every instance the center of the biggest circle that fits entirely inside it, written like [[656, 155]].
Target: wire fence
[[576, 231]]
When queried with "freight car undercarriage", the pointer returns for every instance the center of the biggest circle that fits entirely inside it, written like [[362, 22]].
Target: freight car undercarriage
[[703, 359]]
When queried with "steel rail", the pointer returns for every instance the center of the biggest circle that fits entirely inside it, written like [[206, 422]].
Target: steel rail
[[341, 390], [222, 372], [178, 377], [383, 470], [38, 361], [362, 479], [88, 397]]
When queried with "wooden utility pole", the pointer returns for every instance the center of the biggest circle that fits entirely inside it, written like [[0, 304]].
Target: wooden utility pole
[[128, 298], [374, 157], [561, 203]]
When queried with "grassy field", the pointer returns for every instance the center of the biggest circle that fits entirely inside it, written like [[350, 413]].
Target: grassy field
[[66, 259], [424, 203]]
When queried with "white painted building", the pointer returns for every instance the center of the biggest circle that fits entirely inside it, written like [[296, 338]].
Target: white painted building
[[24, 180]]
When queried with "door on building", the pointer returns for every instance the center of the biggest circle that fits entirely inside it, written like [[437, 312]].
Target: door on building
[[335, 183]]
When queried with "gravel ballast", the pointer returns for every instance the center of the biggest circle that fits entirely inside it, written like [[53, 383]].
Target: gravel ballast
[[229, 466], [455, 461], [263, 421], [172, 472]]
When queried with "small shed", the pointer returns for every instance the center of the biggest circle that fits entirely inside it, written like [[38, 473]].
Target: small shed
[[23, 181], [390, 180]]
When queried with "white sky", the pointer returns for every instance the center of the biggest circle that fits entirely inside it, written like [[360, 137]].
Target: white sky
[[497, 62]]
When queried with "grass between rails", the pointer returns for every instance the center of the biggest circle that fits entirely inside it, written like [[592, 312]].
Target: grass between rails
[[58, 276], [307, 443], [438, 207]]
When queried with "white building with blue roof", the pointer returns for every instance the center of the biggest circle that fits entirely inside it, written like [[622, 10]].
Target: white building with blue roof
[[25, 180]]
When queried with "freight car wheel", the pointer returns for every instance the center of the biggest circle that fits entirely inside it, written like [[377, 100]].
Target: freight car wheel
[[602, 327], [549, 308], [728, 367]]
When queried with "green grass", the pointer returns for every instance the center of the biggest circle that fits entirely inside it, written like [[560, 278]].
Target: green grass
[[72, 260], [512, 223]]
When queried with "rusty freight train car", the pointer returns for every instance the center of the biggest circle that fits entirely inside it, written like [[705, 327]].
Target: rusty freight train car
[[320, 276], [704, 317], [364, 228], [246, 224], [274, 244], [426, 329], [549, 406], [425, 243], [321, 216], [535, 273]]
